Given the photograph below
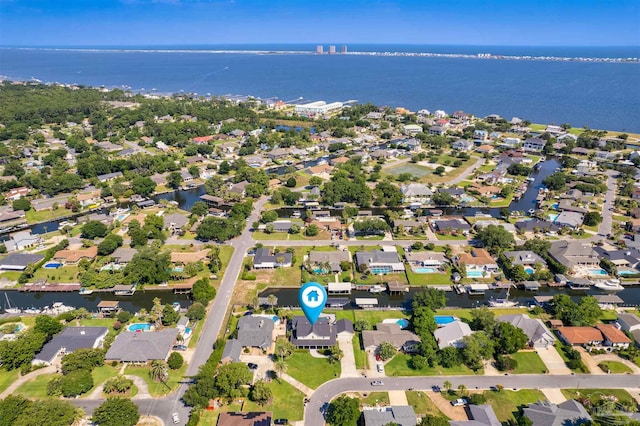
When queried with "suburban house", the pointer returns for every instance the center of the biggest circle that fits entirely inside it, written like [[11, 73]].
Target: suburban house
[[322, 334], [123, 255], [538, 334], [263, 259], [231, 352], [623, 258], [406, 225], [89, 198], [142, 347], [332, 259], [452, 334], [613, 337], [19, 261], [426, 259], [631, 324], [22, 240], [480, 135], [403, 340], [255, 332], [72, 257], [239, 188], [175, 221], [524, 258], [481, 415], [415, 193], [16, 193], [69, 340], [401, 415], [478, 260], [544, 413], [380, 261], [580, 336], [234, 418], [437, 130], [574, 253], [569, 219], [462, 145], [109, 177], [412, 129], [536, 225], [442, 226], [534, 144]]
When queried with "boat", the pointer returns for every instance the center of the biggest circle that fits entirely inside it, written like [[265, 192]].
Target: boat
[[8, 309], [296, 214], [176, 306], [531, 212], [377, 289], [530, 179], [57, 308], [32, 310], [579, 286], [503, 303], [609, 285], [85, 291]]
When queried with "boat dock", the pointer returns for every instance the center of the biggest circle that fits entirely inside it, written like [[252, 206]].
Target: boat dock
[[47, 287]]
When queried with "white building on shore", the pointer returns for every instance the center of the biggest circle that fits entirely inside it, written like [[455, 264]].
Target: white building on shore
[[317, 108]]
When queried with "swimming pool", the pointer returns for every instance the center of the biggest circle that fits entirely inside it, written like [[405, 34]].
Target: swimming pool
[[597, 272], [467, 199], [178, 269], [554, 206], [402, 322], [111, 267], [424, 270], [474, 274], [139, 326], [380, 270], [187, 330], [529, 270], [444, 319], [122, 216], [553, 217], [627, 272], [53, 265]]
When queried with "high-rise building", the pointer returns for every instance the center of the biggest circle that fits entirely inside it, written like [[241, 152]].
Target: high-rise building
[[319, 49], [332, 50], [343, 49]]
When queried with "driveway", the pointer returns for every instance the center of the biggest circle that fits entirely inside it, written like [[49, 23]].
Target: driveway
[[613, 357], [348, 361], [263, 362], [454, 413], [591, 364], [552, 360]]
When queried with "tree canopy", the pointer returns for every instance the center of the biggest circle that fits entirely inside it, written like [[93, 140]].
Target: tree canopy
[[116, 412]]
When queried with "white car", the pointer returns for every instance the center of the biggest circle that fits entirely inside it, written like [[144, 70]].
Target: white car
[[459, 402], [175, 417]]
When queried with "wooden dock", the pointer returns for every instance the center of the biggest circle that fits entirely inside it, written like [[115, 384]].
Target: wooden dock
[[50, 288]]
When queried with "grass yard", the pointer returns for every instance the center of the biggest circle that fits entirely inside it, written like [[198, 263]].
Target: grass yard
[[261, 235], [528, 363], [444, 237], [99, 322], [505, 403], [36, 387], [415, 169], [486, 168], [416, 279], [33, 216], [374, 398], [300, 363], [369, 238], [614, 367], [359, 355], [596, 394], [286, 402], [7, 377], [466, 313], [422, 404], [372, 279], [66, 274], [159, 388], [196, 334], [400, 366]]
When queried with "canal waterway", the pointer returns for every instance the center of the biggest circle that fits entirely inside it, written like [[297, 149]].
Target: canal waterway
[[141, 299]]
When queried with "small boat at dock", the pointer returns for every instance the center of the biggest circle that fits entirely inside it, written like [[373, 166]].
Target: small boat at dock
[[609, 285], [377, 289]]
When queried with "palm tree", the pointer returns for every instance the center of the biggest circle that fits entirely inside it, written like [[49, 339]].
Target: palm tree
[[159, 371], [280, 366], [272, 300], [447, 385], [462, 389]]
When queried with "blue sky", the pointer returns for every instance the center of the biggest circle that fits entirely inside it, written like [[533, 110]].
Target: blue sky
[[176, 22]]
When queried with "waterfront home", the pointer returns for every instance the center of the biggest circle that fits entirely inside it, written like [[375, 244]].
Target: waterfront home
[[86, 199], [573, 254], [627, 258], [569, 219], [510, 142], [478, 260], [255, 332], [536, 225], [19, 261], [322, 334], [455, 192], [41, 204], [569, 137], [278, 154], [263, 259], [175, 221], [21, 240], [402, 415], [415, 193], [534, 144], [554, 130], [16, 193], [437, 130], [444, 226], [323, 260], [629, 322], [452, 334], [613, 337], [73, 257], [462, 145], [524, 258], [68, 341], [426, 259], [538, 334], [580, 151], [238, 188], [142, 347], [406, 225], [481, 415], [480, 135], [402, 340], [380, 261], [412, 129], [545, 413], [109, 177], [580, 336]]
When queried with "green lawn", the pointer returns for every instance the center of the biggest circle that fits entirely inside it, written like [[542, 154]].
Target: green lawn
[[466, 313], [375, 398], [486, 168], [66, 274], [400, 366], [372, 279], [158, 388], [416, 279], [36, 387], [369, 237], [596, 394], [99, 322], [505, 403], [360, 356], [7, 377], [44, 215], [613, 367], [301, 363], [415, 169], [196, 334], [422, 404], [451, 237], [260, 235], [528, 363], [287, 402]]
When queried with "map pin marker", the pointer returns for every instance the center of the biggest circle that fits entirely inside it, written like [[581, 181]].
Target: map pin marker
[[312, 297]]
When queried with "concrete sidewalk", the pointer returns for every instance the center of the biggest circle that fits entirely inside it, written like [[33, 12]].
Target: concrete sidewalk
[[296, 384]]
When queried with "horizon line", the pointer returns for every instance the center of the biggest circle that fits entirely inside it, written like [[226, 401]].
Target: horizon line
[[310, 44]]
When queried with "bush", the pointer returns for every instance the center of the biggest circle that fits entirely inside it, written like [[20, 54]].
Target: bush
[[117, 325], [477, 399], [76, 383], [175, 361], [249, 277], [124, 316], [505, 363]]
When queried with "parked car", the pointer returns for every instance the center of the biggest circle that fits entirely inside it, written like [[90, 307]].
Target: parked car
[[179, 348], [459, 402], [281, 421], [380, 368], [436, 388], [175, 418], [252, 366], [377, 383]]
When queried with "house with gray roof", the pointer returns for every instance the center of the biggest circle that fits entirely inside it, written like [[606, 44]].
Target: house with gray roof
[[401, 415], [19, 261], [22, 240], [415, 193], [322, 334], [462, 145], [69, 340], [427, 259], [123, 255], [109, 176], [255, 332], [263, 259], [574, 253], [569, 219], [142, 347], [536, 225], [391, 333], [380, 261], [231, 352], [320, 259], [452, 334], [628, 257], [538, 334], [481, 415], [443, 225], [175, 221], [524, 258], [630, 323], [544, 413], [534, 144]]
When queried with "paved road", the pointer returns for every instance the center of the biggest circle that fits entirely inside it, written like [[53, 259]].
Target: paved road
[[468, 172], [216, 317], [328, 391], [609, 197]]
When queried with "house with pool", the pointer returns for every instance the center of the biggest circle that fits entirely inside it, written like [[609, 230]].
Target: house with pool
[[627, 260], [391, 331], [478, 263], [526, 258], [69, 340], [140, 347], [579, 257], [73, 257], [328, 261], [426, 262], [383, 261]]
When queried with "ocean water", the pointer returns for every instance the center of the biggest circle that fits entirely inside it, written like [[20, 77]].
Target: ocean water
[[599, 95]]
